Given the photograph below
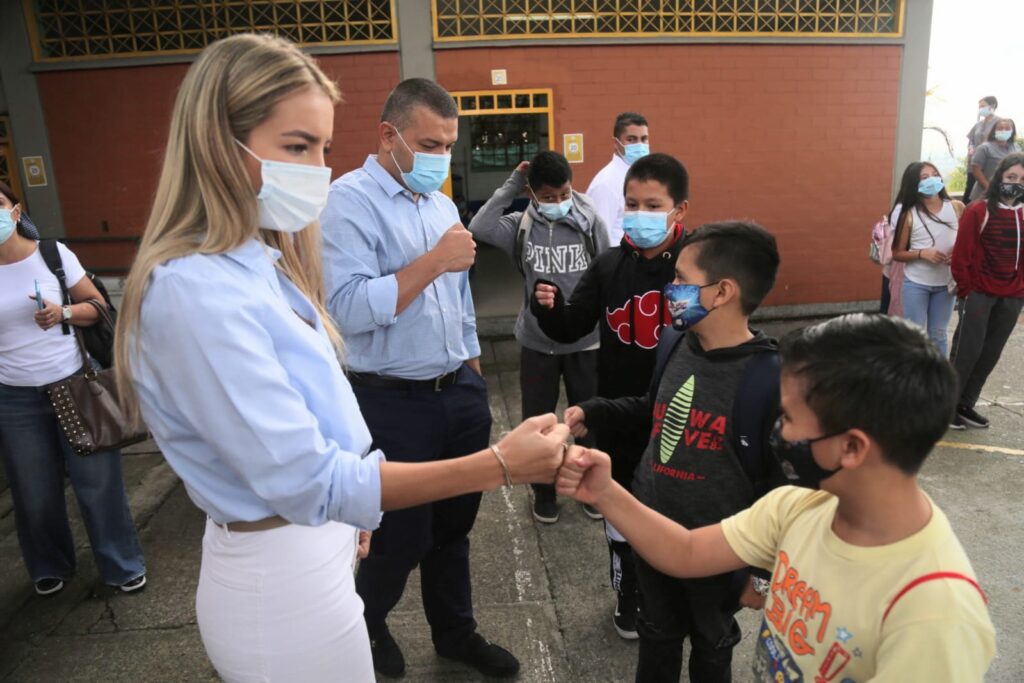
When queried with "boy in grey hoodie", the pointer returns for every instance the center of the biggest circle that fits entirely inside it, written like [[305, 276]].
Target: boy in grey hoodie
[[554, 240]]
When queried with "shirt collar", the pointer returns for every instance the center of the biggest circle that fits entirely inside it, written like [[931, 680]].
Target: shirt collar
[[618, 159], [254, 255], [386, 181]]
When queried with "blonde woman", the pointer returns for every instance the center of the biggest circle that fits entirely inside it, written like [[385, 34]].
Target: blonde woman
[[226, 352]]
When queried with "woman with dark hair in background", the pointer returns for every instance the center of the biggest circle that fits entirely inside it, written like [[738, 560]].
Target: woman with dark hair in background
[[989, 271], [1000, 143], [925, 233], [34, 353]]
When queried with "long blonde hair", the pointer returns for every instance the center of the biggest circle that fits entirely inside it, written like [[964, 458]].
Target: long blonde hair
[[205, 201]]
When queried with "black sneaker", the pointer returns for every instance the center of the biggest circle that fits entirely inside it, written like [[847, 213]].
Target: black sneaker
[[972, 417], [49, 586], [545, 507], [957, 423], [487, 658], [136, 584], [592, 512], [387, 657], [624, 618]]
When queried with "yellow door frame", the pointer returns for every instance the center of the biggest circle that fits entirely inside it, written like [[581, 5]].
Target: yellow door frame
[[476, 96], [7, 151]]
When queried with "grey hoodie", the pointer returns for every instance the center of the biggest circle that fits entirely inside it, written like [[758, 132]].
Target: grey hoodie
[[554, 252]]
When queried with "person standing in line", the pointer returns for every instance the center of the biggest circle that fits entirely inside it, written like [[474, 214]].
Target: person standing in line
[[396, 262], [631, 141], [553, 241], [242, 385], [34, 352], [925, 234], [1000, 143], [979, 134], [988, 266]]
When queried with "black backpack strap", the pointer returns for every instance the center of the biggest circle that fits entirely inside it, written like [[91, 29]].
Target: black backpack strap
[[667, 343], [753, 413], [50, 254], [522, 234]]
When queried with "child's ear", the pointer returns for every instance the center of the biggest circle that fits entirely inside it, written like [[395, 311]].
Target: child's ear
[[855, 447], [680, 211], [728, 291]]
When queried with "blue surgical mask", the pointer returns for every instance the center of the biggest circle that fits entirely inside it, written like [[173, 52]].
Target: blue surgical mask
[[646, 229], [797, 459], [684, 304], [554, 212], [1003, 135], [985, 111], [929, 187], [429, 171], [637, 150], [7, 225]]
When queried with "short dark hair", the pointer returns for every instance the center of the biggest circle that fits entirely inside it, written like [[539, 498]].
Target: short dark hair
[[744, 252], [991, 99], [666, 170], [413, 92], [625, 119], [878, 374], [992, 133], [992, 194], [548, 168]]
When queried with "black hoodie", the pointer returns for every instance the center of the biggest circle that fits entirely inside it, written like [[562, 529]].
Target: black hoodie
[[622, 291]]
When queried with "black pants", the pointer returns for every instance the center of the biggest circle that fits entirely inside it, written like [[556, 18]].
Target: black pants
[[540, 375], [673, 609], [984, 325], [421, 426], [886, 298]]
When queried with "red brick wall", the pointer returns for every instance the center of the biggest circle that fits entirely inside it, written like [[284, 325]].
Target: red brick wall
[[108, 128], [799, 138]]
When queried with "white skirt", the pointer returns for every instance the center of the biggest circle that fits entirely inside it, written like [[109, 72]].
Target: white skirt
[[281, 605]]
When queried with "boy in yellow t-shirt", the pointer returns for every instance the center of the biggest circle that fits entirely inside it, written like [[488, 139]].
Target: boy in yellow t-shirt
[[869, 581]]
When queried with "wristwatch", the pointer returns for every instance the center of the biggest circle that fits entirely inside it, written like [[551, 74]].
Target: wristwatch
[[65, 313]]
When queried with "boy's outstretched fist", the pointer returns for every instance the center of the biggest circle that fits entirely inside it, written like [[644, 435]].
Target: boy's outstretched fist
[[575, 420], [586, 475]]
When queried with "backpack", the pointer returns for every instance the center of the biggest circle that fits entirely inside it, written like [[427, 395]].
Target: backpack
[[880, 249], [753, 412], [523, 234], [98, 338]]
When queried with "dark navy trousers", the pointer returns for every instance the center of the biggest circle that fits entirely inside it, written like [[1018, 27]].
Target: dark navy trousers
[[416, 425]]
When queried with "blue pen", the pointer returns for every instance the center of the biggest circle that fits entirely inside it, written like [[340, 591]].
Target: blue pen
[[39, 298]]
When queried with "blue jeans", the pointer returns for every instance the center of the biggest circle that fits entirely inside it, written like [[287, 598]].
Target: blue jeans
[[931, 307], [35, 455]]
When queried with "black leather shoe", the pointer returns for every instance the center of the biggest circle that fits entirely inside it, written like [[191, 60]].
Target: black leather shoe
[[387, 657], [487, 658]]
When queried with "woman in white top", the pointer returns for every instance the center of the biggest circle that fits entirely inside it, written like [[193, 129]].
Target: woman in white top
[[34, 352], [225, 348], [925, 234]]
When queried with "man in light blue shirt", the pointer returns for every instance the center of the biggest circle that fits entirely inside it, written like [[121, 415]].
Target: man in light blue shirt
[[396, 261]]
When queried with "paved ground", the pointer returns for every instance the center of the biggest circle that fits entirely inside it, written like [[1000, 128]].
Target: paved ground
[[541, 590]]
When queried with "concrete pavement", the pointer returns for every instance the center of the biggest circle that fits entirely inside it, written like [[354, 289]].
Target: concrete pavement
[[540, 590]]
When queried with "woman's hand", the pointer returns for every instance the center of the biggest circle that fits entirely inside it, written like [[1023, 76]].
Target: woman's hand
[[363, 549], [586, 475], [934, 256], [533, 450], [49, 315]]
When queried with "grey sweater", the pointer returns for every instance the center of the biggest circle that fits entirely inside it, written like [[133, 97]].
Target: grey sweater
[[554, 252]]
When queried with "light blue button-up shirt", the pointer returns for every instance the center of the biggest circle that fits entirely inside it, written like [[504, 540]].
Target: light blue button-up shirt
[[372, 229], [246, 400]]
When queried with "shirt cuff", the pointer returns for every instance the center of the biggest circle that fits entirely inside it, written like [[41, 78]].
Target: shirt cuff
[[382, 295], [472, 344], [360, 502]]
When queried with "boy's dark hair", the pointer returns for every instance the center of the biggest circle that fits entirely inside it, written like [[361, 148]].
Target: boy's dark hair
[[744, 252], [626, 119], [878, 374], [993, 195], [992, 101], [548, 168], [413, 92], [992, 133], [664, 169]]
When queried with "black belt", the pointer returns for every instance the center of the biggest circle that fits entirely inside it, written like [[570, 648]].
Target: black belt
[[364, 379]]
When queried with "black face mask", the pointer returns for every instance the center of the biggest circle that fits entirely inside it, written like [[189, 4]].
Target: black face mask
[[1012, 190], [797, 461]]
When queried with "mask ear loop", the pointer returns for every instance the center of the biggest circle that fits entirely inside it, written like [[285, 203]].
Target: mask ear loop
[[406, 144]]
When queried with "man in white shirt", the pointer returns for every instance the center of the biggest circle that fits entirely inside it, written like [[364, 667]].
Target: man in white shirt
[[606, 189]]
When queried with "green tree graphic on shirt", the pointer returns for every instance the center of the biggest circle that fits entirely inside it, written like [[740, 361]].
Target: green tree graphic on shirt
[[676, 416]]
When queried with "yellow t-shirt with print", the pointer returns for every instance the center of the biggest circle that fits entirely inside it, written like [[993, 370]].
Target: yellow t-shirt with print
[[823, 619]]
